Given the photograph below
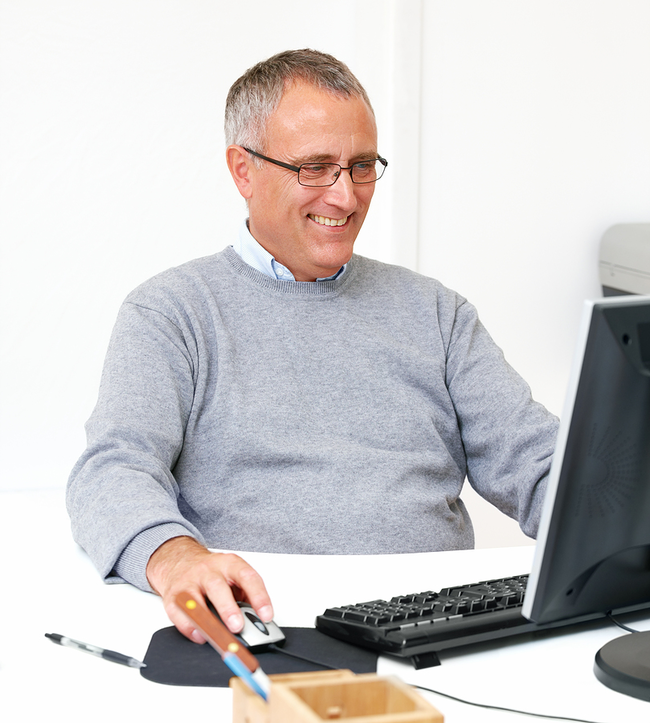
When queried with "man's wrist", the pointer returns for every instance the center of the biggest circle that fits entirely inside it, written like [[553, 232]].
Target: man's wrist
[[166, 557]]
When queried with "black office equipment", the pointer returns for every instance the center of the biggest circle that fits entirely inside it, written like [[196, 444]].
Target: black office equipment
[[593, 550], [418, 626], [173, 659]]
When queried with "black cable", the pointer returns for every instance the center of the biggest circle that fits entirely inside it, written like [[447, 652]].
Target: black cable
[[276, 649], [500, 708], [620, 624]]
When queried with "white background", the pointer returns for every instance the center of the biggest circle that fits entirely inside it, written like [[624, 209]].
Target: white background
[[517, 132]]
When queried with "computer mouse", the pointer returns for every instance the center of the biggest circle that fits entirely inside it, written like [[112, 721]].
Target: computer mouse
[[257, 635]]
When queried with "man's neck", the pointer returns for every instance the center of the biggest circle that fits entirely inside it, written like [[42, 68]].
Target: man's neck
[[255, 255]]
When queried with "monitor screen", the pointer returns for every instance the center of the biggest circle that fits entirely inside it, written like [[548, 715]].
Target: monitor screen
[[593, 545]]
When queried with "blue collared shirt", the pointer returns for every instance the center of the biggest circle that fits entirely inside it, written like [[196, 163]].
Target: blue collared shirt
[[255, 255]]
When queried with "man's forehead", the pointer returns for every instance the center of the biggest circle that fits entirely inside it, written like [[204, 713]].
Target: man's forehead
[[308, 115]]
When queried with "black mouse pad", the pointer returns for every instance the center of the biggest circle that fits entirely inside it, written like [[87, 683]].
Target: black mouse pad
[[172, 659]]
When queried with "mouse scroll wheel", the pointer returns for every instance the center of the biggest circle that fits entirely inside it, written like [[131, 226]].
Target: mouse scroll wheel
[[257, 623]]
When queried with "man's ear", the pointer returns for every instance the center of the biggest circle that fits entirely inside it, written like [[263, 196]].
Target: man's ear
[[240, 164]]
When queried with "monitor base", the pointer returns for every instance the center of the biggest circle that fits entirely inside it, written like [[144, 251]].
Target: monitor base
[[624, 665]]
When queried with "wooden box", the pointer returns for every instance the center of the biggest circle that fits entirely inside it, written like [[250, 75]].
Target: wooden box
[[332, 695]]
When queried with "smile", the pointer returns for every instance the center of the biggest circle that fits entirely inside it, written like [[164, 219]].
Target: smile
[[324, 221]]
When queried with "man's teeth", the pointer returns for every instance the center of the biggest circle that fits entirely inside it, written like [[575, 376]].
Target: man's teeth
[[328, 221]]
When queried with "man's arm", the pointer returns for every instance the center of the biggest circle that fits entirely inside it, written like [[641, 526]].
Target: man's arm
[[123, 495], [182, 563], [508, 438]]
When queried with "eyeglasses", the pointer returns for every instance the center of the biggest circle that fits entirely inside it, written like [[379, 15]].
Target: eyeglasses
[[326, 174]]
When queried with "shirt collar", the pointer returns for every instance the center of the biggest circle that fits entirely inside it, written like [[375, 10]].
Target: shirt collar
[[255, 255]]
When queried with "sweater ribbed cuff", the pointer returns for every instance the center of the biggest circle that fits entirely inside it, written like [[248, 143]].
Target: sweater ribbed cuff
[[131, 566]]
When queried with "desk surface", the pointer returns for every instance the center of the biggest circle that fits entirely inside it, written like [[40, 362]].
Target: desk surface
[[50, 586]]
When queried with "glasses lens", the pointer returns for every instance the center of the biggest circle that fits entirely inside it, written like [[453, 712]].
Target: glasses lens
[[326, 174], [318, 174], [367, 171]]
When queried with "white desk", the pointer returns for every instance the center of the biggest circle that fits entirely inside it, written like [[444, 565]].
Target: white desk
[[48, 585]]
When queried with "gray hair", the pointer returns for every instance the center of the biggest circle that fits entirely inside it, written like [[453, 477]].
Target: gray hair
[[253, 97]]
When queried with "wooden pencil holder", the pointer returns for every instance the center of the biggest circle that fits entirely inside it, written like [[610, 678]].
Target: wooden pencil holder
[[332, 695]]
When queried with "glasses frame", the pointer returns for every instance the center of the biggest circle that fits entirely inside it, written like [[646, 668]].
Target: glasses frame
[[296, 169]]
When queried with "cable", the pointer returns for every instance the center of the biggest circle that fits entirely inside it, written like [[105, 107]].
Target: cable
[[620, 624], [276, 649], [501, 708]]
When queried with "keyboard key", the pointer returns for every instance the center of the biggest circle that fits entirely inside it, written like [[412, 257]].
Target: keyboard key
[[334, 612], [356, 616]]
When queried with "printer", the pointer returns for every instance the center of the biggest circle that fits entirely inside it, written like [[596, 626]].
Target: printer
[[624, 263]]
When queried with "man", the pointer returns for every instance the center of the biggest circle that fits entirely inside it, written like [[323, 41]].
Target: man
[[287, 396]]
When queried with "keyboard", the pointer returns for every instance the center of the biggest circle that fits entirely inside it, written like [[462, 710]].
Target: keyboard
[[419, 626]]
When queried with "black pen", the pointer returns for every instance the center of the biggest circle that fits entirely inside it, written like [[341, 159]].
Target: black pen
[[94, 650]]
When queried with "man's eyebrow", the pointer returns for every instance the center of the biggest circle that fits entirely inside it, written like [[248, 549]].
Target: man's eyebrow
[[317, 158], [327, 158], [367, 156]]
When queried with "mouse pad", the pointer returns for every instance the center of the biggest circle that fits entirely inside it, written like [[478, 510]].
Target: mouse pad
[[172, 659]]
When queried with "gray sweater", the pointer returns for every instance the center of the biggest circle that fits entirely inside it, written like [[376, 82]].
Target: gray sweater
[[339, 417]]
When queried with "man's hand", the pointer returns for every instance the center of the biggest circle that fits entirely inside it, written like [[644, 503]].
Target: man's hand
[[184, 564]]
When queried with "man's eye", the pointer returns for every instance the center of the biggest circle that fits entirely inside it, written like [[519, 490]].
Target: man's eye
[[314, 169]]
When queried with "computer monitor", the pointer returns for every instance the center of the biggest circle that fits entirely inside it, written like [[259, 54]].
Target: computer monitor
[[593, 545]]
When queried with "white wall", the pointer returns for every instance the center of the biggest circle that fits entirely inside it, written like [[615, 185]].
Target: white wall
[[535, 139], [112, 169], [516, 130]]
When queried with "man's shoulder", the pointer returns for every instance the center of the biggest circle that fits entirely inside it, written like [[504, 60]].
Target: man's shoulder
[[398, 289], [400, 276], [186, 278]]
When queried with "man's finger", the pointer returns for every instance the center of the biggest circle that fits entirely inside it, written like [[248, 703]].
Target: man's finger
[[238, 573], [183, 624]]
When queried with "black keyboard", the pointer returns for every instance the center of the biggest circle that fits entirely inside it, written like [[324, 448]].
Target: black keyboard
[[419, 626]]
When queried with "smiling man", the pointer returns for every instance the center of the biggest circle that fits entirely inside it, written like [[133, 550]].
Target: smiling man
[[310, 229], [287, 395]]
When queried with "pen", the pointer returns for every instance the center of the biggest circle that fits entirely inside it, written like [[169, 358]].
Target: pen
[[94, 650], [235, 655]]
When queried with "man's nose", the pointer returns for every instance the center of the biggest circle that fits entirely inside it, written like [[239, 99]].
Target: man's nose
[[343, 192]]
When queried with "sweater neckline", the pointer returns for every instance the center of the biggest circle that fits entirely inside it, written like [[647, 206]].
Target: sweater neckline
[[300, 288]]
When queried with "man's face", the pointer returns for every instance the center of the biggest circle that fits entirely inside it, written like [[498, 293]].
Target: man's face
[[291, 221]]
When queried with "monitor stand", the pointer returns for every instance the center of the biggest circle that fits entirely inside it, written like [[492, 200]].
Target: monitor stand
[[624, 665]]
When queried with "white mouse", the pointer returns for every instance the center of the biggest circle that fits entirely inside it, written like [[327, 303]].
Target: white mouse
[[256, 634]]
